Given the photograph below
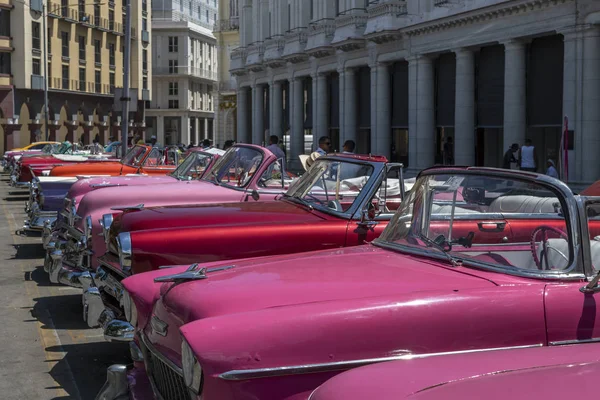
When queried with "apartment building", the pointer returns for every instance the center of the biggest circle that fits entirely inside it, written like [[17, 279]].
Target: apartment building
[[401, 77], [227, 32], [185, 64], [84, 45]]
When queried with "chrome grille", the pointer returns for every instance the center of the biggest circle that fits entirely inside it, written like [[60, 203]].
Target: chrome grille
[[166, 381]]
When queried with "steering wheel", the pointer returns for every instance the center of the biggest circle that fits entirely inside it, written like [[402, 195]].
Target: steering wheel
[[544, 229]]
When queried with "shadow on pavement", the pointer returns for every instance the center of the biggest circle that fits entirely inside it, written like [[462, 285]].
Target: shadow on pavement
[[66, 312], [39, 276], [28, 251], [20, 197], [87, 363]]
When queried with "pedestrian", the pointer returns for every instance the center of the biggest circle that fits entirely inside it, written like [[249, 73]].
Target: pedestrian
[[509, 156], [274, 148], [228, 144], [348, 147], [154, 141], [206, 143], [449, 151], [324, 145], [551, 171], [96, 146], [528, 157]]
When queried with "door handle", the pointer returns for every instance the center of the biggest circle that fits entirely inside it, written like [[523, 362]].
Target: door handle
[[491, 226], [367, 224]]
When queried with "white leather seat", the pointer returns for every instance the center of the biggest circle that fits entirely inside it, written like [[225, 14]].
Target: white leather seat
[[556, 261], [523, 204]]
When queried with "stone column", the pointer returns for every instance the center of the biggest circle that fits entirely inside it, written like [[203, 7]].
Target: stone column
[[242, 116], [571, 81], [297, 123], [515, 105], [160, 129], [277, 110], [374, 105], [381, 142], [315, 109], [464, 115], [590, 120], [421, 119], [350, 110], [185, 129], [321, 112], [341, 109], [258, 114]]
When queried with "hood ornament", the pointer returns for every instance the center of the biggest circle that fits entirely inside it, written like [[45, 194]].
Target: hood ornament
[[193, 273], [129, 208]]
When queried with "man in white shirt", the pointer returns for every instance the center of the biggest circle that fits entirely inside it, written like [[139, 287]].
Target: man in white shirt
[[528, 157], [324, 145], [349, 147], [551, 171], [274, 148]]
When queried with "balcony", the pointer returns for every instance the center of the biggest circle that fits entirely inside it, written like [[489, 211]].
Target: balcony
[[274, 47], [238, 61], [385, 20], [6, 44], [349, 30], [295, 43], [6, 4], [70, 15], [37, 82], [320, 35], [5, 80], [187, 71], [53, 9], [145, 36], [255, 57], [227, 25]]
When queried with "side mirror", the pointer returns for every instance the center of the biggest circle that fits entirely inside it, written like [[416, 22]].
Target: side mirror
[[367, 217], [255, 195]]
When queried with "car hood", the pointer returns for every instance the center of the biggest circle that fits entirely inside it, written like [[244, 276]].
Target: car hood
[[350, 273], [236, 213], [190, 192], [518, 374], [86, 185]]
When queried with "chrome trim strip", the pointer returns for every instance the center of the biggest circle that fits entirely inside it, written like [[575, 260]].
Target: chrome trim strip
[[106, 263], [574, 341], [238, 375]]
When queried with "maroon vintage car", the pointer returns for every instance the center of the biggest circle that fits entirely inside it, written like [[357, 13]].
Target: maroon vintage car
[[324, 209]]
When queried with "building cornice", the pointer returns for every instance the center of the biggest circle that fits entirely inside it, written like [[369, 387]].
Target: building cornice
[[481, 15]]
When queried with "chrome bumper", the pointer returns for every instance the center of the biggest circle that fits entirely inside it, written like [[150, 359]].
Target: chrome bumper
[[117, 384], [37, 221], [14, 182], [60, 272]]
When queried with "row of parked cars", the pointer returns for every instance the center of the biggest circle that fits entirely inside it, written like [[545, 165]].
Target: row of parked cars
[[233, 278]]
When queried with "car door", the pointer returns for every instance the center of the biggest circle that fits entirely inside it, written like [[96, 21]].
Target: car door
[[384, 200]]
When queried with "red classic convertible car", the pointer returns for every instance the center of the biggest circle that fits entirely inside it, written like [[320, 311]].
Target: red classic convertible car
[[474, 259], [324, 209]]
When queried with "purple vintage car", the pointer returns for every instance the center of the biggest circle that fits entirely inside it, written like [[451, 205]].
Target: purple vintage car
[[47, 193], [561, 372], [474, 259], [233, 178]]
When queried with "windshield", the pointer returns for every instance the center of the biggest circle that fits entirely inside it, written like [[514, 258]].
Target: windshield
[[502, 222], [134, 156], [192, 167], [331, 185], [237, 166]]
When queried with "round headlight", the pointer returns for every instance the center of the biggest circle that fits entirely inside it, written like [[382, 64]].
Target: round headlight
[[129, 308], [192, 372]]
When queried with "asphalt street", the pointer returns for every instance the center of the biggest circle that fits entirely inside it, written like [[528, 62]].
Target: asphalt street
[[46, 350]]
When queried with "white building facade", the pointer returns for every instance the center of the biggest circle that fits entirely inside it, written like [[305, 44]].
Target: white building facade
[[184, 66], [227, 32], [400, 77]]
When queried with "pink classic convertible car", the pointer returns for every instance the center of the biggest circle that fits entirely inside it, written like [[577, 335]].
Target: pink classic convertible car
[[562, 372], [239, 172], [437, 281]]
